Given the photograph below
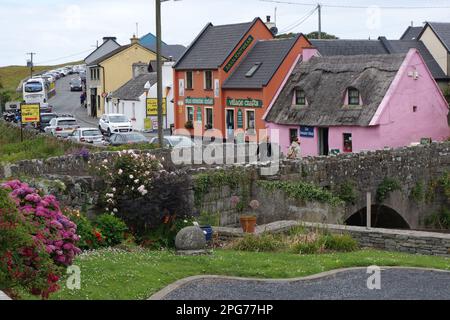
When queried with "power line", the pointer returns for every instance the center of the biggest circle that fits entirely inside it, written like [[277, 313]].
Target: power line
[[356, 7], [70, 56], [299, 22]]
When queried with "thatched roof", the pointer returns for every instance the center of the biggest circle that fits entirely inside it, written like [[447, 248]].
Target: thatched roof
[[325, 81]]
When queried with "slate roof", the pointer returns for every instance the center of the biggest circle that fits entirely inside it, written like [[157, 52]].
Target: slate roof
[[412, 33], [325, 81], [104, 43], [270, 53], [442, 30], [336, 47], [113, 53], [134, 88], [213, 45]]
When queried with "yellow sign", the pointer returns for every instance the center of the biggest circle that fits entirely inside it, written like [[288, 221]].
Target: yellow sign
[[152, 107], [148, 124], [30, 112]]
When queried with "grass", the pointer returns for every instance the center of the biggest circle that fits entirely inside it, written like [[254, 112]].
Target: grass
[[116, 274], [11, 76]]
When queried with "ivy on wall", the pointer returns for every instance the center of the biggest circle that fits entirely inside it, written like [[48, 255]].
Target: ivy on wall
[[385, 188], [302, 191]]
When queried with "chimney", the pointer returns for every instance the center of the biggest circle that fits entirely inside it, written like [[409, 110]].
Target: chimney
[[139, 68], [271, 26], [109, 38], [134, 39]]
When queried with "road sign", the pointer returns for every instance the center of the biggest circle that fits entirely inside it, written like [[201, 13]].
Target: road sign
[[30, 112]]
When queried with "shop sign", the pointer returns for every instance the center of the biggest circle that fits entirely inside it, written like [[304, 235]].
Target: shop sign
[[249, 103], [238, 54], [307, 132], [203, 101], [152, 107]]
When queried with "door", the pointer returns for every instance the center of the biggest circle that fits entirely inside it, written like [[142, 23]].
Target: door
[[230, 123], [94, 102], [323, 141]]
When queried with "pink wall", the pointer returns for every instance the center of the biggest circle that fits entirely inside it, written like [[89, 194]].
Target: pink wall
[[394, 124]]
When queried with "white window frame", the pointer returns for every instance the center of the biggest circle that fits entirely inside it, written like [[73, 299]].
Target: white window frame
[[246, 120], [206, 118], [186, 77], [187, 113]]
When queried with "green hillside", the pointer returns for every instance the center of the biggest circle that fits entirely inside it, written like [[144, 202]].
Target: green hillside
[[11, 76]]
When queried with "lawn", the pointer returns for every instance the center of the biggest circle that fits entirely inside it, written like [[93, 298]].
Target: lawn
[[116, 274], [11, 76]]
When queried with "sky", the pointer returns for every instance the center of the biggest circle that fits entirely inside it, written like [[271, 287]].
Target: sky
[[60, 31]]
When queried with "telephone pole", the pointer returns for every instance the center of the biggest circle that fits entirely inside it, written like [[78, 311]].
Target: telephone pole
[[319, 9], [31, 54], [159, 90]]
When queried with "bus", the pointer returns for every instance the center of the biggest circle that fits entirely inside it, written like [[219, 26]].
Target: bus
[[35, 90]]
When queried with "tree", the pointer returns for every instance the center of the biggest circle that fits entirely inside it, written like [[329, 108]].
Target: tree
[[324, 35]]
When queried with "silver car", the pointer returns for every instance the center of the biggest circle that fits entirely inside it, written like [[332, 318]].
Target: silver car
[[87, 135], [62, 127]]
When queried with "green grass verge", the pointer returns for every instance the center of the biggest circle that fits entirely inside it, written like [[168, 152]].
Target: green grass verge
[[115, 274]]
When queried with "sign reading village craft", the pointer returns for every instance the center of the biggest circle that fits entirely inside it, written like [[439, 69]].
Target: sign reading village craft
[[250, 103], [152, 107], [202, 101], [30, 113], [238, 54]]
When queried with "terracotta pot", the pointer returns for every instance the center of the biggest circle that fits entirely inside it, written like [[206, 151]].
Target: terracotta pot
[[248, 223]]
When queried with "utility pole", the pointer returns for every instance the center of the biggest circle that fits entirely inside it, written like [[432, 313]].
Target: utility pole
[[31, 54], [319, 9], [159, 73]]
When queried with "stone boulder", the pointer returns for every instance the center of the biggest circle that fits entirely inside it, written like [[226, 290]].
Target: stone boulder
[[190, 239]]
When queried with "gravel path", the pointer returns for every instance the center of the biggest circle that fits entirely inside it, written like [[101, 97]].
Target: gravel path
[[408, 284]]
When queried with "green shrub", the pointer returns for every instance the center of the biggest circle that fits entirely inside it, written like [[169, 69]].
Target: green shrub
[[418, 192], [445, 183], [112, 229], [387, 186], [90, 238], [347, 192], [259, 243], [341, 243], [164, 235], [439, 220], [310, 247]]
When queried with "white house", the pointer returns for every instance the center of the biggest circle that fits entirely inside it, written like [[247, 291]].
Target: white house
[[131, 98]]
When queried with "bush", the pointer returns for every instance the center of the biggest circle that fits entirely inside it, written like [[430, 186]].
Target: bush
[[37, 264], [341, 243], [90, 238], [111, 228], [387, 186], [439, 220], [164, 235], [265, 242], [317, 246]]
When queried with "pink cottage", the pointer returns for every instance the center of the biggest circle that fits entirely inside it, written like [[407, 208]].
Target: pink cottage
[[356, 103]]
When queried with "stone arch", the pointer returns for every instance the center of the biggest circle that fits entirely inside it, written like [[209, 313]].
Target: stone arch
[[383, 216]]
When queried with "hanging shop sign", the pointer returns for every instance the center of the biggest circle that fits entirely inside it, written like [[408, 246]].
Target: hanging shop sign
[[250, 103], [238, 54]]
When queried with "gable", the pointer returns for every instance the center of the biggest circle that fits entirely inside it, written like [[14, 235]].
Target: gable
[[104, 49], [134, 51]]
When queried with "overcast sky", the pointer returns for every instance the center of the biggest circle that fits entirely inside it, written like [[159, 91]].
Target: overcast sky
[[66, 30]]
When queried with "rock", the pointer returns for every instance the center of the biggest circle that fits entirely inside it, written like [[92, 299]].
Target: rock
[[190, 238]]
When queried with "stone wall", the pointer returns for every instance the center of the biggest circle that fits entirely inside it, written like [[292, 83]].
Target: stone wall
[[415, 242]]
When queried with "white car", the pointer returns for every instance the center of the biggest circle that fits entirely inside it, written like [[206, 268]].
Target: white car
[[62, 127], [114, 123], [87, 135]]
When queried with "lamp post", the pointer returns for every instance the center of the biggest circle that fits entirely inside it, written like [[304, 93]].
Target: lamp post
[[159, 93]]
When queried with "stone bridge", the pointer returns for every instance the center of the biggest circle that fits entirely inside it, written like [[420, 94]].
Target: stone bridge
[[418, 171]]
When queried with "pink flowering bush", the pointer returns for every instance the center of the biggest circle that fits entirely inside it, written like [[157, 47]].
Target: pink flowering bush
[[53, 236]]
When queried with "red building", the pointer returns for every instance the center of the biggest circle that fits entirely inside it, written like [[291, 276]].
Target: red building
[[229, 76]]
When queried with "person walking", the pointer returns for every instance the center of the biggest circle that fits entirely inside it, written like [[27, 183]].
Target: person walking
[[294, 151], [82, 99]]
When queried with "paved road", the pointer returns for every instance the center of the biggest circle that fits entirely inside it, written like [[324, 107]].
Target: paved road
[[68, 102], [404, 284]]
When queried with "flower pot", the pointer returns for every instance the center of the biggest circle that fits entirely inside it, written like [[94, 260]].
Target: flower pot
[[208, 231], [248, 223]]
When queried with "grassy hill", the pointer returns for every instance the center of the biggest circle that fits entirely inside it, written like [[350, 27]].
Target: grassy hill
[[11, 76]]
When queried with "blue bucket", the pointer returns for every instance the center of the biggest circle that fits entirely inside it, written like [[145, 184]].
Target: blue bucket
[[208, 232]]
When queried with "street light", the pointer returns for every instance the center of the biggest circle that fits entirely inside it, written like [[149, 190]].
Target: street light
[[159, 93]]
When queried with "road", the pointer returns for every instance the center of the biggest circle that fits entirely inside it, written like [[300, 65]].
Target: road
[[67, 102], [403, 284]]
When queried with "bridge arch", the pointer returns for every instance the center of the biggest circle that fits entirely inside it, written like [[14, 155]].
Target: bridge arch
[[382, 217]]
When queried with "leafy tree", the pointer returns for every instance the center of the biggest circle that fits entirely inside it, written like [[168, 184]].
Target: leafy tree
[[324, 35]]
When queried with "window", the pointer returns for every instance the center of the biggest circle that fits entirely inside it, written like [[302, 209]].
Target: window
[[189, 80], [208, 80], [190, 113], [209, 118], [353, 97], [300, 97], [95, 73], [414, 108], [250, 120], [293, 134], [253, 70], [348, 146], [134, 110]]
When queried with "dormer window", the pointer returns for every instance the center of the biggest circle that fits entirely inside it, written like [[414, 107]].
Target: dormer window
[[300, 97], [354, 98], [253, 70]]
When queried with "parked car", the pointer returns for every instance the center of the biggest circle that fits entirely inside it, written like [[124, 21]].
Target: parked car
[[87, 135], [62, 126], [119, 139], [46, 108], [114, 123], [175, 142], [45, 120], [76, 84]]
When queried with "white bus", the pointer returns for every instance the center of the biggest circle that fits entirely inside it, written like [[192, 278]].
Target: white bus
[[36, 90]]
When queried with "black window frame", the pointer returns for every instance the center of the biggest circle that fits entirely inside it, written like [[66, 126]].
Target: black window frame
[[352, 98], [209, 124], [300, 97], [189, 80]]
